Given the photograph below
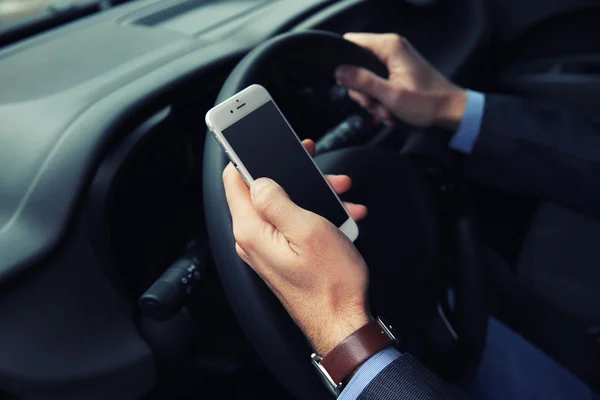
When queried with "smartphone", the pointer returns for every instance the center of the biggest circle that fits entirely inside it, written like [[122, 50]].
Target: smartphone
[[260, 142]]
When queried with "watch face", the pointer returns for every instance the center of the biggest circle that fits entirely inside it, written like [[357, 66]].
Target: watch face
[[334, 388]]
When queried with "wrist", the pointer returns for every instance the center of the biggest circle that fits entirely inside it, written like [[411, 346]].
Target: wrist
[[451, 109], [335, 333]]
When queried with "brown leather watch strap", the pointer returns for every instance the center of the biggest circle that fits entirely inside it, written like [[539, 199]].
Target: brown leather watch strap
[[357, 348]]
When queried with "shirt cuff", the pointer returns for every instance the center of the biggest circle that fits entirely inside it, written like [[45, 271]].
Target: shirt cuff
[[465, 137], [367, 372]]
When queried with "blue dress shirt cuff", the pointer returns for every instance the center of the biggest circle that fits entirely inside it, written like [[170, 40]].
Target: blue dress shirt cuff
[[367, 372], [465, 137]]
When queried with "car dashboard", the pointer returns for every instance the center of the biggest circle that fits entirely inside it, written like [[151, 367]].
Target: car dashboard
[[101, 147]]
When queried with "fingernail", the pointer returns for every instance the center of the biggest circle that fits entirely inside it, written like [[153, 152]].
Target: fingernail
[[342, 74], [258, 185], [389, 122]]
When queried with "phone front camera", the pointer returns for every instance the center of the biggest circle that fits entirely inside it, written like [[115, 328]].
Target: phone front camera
[[231, 111]]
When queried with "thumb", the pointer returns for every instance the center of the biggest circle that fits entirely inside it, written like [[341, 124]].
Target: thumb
[[274, 205], [365, 81]]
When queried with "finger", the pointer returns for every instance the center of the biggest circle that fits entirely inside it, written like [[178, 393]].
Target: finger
[[364, 81], [383, 46], [309, 145], [356, 211], [246, 221], [389, 122], [274, 205], [339, 183], [362, 99], [381, 113], [242, 253], [237, 193]]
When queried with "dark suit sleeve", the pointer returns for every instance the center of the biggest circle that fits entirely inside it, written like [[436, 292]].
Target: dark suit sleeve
[[405, 379], [538, 150]]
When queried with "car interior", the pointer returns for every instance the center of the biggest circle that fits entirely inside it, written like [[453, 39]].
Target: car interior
[[118, 273]]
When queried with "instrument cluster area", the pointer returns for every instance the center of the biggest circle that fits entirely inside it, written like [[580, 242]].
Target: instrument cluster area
[[147, 200]]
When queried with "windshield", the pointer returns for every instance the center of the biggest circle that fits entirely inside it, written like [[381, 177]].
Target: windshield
[[12, 11], [22, 18], [16, 14]]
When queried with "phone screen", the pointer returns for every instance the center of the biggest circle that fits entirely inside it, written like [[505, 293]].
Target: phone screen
[[268, 148]]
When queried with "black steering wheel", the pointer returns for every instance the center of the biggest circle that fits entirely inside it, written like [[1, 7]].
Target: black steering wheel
[[269, 328]]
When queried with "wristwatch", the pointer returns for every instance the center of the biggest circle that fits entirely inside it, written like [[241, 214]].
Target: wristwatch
[[338, 365]]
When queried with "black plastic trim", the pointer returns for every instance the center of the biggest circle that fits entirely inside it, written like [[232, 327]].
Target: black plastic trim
[[100, 192]]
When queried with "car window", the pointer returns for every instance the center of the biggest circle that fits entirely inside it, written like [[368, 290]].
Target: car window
[[22, 18], [13, 11]]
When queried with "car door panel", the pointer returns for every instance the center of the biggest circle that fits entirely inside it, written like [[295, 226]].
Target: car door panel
[[549, 50]]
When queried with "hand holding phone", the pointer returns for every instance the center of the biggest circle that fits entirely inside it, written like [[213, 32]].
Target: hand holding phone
[[312, 267], [260, 143]]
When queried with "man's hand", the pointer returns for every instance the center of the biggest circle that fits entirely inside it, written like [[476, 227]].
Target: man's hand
[[315, 271], [340, 185], [414, 91]]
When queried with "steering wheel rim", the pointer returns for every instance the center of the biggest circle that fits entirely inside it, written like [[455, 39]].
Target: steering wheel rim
[[265, 322]]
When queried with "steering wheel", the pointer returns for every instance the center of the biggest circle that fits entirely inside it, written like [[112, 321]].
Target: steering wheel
[[279, 342]]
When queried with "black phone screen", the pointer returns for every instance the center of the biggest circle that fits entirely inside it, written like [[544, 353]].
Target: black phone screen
[[268, 148]]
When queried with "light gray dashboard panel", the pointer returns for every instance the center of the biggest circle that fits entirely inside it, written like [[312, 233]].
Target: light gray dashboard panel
[[63, 91]]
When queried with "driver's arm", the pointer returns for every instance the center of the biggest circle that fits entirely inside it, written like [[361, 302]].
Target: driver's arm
[[527, 147], [322, 281], [538, 150]]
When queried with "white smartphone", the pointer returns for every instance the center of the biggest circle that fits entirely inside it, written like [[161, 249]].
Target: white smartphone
[[261, 143]]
